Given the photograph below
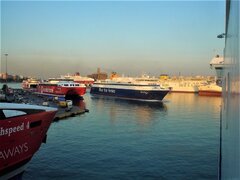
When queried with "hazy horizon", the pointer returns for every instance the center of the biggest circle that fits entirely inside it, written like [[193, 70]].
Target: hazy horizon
[[48, 39]]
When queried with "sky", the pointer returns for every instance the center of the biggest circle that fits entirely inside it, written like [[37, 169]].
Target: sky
[[51, 38]]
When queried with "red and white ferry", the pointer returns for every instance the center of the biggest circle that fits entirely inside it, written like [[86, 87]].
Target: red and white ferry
[[79, 79], [30, 84], [22, 130], [214, 89], [61, 88], [211, 89]]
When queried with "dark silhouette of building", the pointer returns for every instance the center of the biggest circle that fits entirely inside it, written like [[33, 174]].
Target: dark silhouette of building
[[99, 75]]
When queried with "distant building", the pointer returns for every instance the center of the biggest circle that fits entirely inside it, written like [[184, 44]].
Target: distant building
[[16, 78], [163, 77], [10, 78], [4, 76], [99, 75]]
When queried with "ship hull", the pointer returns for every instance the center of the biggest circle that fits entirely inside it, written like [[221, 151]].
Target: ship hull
[[210, 93], [184, 91], [177, 89], [20, 138], [210, 90], [30, 86], [144, 95], [54, 90]]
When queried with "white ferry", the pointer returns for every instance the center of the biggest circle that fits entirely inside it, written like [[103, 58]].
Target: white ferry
[[30, 84], [184, 84], [79, 79]]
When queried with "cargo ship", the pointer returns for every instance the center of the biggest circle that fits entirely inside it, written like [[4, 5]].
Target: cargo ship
[[61, 88], [22, 130], [130, 88]]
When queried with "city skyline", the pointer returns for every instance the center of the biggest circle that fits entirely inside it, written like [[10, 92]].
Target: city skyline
[[47, 39]]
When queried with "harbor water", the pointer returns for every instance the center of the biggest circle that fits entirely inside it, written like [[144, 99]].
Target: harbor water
[[123, 139]]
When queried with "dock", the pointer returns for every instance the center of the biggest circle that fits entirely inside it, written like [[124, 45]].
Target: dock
[[28, 97], [63, 114]]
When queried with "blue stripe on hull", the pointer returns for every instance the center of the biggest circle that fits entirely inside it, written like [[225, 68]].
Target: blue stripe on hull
[[60, 97], [132, 94]]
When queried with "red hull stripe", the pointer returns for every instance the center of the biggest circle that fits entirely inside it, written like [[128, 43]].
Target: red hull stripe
[[183, 91], [209, 93]]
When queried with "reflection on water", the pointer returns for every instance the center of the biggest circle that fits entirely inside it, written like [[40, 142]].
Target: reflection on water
[[121, 139], [12, 85], [194, 104], [144, 112], [79, 102]]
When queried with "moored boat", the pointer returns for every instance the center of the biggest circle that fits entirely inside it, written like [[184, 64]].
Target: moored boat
[[130, 88], [184, 84], [214, 88], [79, 79], [22, 130], [210, 90], [30, 84], [61, 88]]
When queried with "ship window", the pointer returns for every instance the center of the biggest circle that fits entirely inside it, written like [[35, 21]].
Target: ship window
[[76, 84], [35, 124], [65, 84], [33, 86], [13, 113], [2, 116]]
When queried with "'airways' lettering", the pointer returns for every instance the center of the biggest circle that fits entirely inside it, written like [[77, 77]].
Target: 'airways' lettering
[[14, 151]]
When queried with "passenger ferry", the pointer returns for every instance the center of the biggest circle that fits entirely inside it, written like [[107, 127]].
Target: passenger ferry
[[183, 84], [211, 89], [61, 88], [30, 84], [79, 79], [130, 88], [22, 130], [214, 88]]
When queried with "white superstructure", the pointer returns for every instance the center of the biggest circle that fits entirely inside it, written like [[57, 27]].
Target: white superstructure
[[184, 84], [214, 88], [79, 79]]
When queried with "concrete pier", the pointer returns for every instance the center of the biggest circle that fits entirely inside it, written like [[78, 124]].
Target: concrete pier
[[27, 97], [63, 114]]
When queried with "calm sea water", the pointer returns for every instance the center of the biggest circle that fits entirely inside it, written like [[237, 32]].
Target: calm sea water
[[122, 139]]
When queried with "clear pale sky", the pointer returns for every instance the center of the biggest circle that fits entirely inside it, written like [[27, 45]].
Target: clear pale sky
[[47, 38]]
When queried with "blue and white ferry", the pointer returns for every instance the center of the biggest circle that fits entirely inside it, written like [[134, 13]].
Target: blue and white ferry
[[130, 88]]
